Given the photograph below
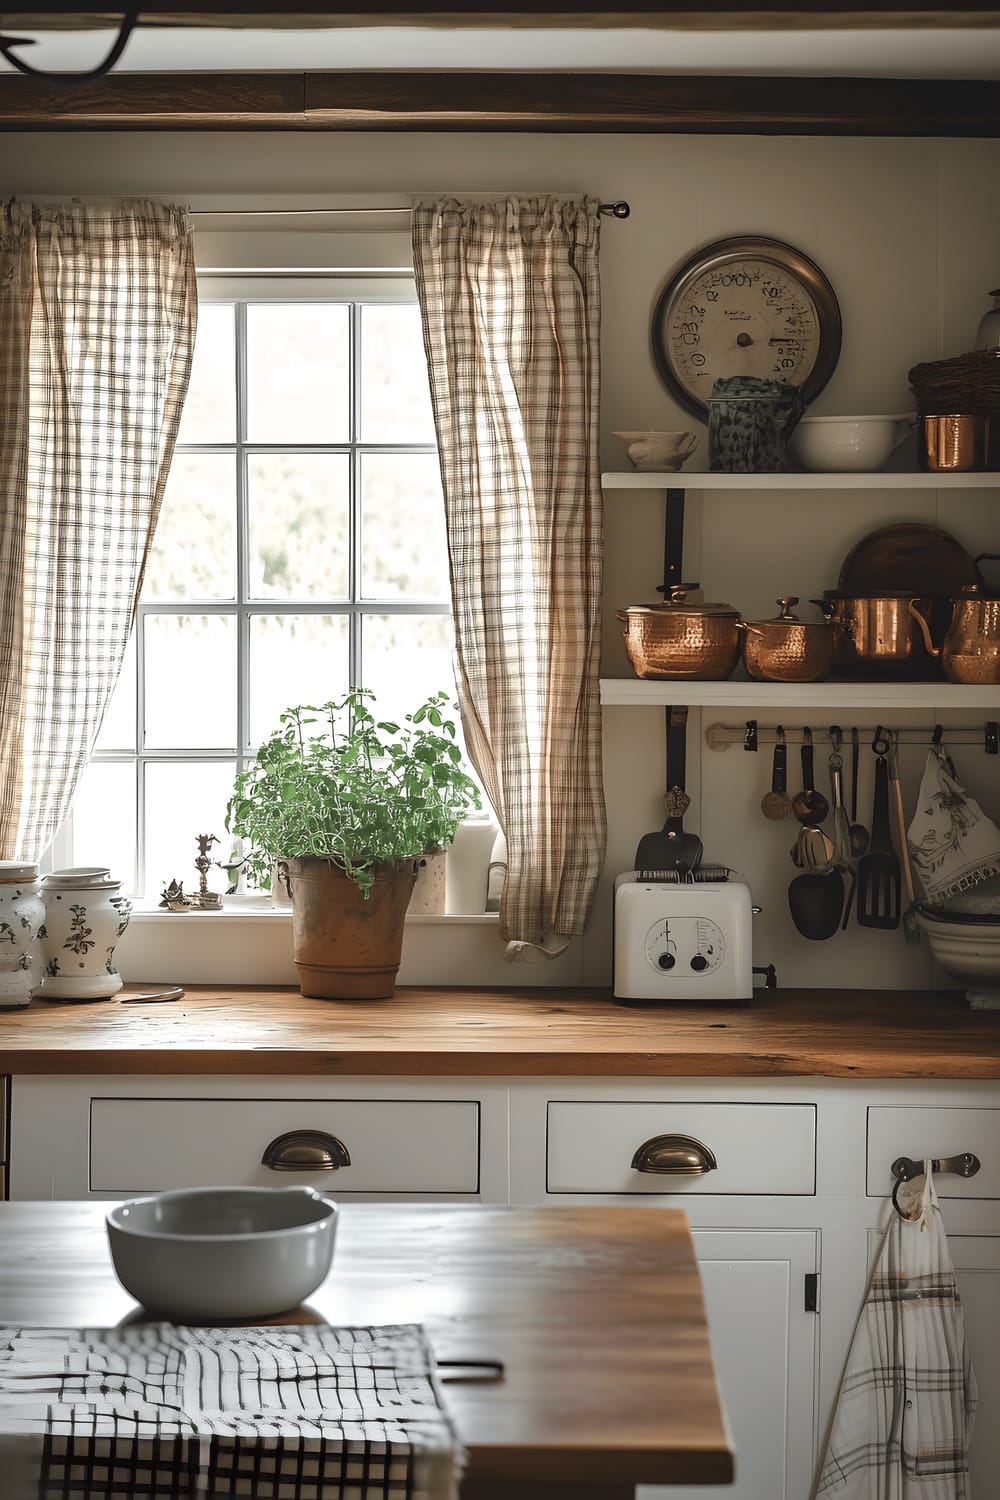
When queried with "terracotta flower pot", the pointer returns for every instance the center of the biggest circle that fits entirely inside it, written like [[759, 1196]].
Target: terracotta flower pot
[[346, 947]]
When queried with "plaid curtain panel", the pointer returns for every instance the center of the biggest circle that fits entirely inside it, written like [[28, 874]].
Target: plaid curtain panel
[[908, 1400], [98, 309], [156, 1412], [510, 300]]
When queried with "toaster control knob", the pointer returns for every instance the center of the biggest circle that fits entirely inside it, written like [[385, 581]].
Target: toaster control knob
[[699, 962], [666, 960]]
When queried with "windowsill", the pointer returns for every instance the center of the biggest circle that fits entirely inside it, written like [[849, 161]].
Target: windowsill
[[252, 945], [248, 913]]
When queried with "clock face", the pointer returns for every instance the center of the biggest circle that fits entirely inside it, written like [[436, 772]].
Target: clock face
[[746, 307]]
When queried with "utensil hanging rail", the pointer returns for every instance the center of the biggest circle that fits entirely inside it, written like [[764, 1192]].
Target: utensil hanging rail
[[752, 733], [619, 210]]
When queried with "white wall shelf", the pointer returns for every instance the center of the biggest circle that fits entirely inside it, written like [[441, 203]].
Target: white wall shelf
[[876, 696], [694, 479]]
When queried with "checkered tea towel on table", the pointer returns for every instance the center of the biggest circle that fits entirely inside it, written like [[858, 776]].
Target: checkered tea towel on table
[[953, 844], [908, 1398], [280, 1413]]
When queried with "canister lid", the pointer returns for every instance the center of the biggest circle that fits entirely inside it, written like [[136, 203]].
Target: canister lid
[[88, 876], [12, 870]]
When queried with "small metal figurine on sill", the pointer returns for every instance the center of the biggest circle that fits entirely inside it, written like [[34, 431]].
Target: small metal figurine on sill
[[173, 897]]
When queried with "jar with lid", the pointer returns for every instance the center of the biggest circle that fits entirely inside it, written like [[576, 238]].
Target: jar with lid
[[22, 915], [85, 915]]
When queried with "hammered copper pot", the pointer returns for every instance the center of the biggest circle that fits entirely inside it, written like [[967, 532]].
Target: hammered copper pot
[[682, 641], [785, 649]]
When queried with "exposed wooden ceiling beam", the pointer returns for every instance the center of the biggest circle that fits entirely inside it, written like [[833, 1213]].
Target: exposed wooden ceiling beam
[[614, 102], [709, 15]]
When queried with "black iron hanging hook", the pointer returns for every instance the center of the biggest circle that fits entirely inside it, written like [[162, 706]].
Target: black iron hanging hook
[[130, 19]]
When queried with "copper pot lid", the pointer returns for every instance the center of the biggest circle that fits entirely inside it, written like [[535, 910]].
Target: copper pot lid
[[678, 604], [787, 603]]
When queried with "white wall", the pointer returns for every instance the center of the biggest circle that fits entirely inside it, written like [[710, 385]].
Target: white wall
[[908, 231]]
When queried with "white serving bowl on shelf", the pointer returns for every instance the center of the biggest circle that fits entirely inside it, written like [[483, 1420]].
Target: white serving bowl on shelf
[[836, 445], [222, 1254]]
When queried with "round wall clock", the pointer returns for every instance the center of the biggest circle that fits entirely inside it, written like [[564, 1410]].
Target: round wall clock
[[745, 306]]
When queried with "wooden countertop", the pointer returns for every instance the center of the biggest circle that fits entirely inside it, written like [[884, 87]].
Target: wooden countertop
[[596, 1314], [509, 1033]]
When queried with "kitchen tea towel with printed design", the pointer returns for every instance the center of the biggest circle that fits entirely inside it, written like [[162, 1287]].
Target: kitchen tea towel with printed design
[[908, 1399], [279, 1413], [953, 844]]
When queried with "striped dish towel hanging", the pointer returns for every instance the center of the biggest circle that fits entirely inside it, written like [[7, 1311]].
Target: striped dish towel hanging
[[278, 1413], [908, 1399]]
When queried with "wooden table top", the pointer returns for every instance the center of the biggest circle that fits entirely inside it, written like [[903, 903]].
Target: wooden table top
[[596, 1314], [508, 1033]]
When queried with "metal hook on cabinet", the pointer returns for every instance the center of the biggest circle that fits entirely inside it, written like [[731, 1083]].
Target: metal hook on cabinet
[[905, 1168]]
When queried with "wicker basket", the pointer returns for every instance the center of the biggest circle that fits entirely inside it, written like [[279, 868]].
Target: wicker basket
[[968, 383]]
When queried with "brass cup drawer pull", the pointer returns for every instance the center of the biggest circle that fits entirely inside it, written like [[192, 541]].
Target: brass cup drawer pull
[[674, 1155], [306, 1151]]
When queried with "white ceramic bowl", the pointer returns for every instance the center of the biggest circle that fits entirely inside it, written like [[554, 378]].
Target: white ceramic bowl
[[969, 950], [220, 1254], [835, 445]]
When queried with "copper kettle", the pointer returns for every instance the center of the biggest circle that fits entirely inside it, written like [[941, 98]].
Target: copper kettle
[[970, 651]]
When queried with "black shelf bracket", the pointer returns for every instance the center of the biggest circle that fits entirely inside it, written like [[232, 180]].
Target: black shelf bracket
[[673, 542]]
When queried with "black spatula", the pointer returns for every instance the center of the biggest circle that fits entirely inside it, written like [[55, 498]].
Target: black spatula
[[879, 880], [671, 848]]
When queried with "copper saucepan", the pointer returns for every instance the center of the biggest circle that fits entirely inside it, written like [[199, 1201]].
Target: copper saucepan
[[875, 635], [785, 649]]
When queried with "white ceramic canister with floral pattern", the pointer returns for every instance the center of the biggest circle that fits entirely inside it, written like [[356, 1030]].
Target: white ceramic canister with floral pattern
[[22, 915], [85, 915]]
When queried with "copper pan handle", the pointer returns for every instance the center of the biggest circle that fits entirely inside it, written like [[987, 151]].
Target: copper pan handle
[[925, 629]]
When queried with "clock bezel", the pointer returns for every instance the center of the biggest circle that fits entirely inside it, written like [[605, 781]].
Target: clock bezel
[[776, 253]]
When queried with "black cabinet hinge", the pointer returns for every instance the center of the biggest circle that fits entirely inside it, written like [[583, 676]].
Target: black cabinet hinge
[[812, 1292]]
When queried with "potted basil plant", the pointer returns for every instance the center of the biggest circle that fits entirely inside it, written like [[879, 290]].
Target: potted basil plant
[[345, 805]]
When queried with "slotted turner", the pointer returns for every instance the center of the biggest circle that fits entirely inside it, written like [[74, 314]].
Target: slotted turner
[[879, 880]]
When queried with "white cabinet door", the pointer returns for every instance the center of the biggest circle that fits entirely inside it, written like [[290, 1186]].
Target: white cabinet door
[[765, 1352], [977, 1268]]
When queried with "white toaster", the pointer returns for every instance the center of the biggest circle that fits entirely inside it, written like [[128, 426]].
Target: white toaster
[[684, 940]]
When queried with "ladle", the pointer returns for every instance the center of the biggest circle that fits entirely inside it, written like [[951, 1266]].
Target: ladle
[[776, 803], [809, 805]]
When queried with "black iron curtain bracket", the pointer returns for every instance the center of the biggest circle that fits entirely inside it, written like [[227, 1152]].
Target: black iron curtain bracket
[[130, 19]]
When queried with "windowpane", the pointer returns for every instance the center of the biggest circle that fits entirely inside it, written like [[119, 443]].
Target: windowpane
[[299, 506], [406, 658], [98, 837], [395, 396], [294, 659], [118, 729], [298, 373], [404, 553], [209, 414], [190, 666], [193, 555], [184, 799]]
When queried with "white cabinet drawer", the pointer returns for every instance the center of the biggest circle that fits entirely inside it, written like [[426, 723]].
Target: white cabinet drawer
[[758, 1148], [395, 1145], [936, 1133]]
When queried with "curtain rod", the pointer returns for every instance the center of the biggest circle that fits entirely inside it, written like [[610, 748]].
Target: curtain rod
[[618, 210]]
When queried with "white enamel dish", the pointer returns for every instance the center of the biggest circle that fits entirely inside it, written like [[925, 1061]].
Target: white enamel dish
[[221, 1254], [834, 445]]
